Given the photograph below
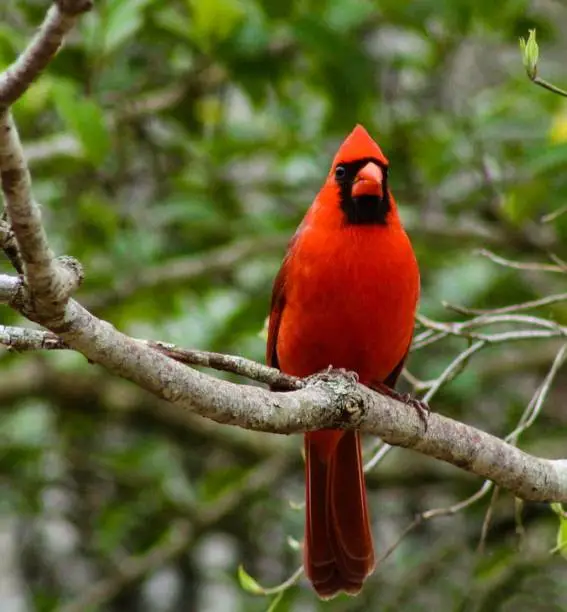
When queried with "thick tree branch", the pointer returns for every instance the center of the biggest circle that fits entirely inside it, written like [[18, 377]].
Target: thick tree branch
[[327, 401], [49, 280], [18, 77]]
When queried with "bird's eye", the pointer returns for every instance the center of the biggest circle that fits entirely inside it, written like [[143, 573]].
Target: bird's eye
[[340, 173]]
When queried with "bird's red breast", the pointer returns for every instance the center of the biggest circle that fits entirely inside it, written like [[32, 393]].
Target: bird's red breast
[[350, 288]]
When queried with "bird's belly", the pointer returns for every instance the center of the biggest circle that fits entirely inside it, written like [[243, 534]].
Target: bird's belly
[[366, 327]]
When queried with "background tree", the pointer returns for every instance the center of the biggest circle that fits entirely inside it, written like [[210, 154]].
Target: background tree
[[174, 148]]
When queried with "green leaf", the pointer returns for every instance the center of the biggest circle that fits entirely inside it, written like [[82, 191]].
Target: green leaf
[[248, 583], [214, 20], [561, 547], [344, 15], [123, 18], [293, 543], [549, 158], [84, 118], [530, 54], [219, 482]]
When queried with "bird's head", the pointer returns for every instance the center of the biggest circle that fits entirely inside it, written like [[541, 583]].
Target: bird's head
[[359, 176]]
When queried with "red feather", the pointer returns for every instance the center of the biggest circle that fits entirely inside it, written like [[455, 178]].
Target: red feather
[[345, 296]]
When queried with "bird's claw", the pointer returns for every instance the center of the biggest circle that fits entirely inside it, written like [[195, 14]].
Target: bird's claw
[[423, 409], [348, 374]]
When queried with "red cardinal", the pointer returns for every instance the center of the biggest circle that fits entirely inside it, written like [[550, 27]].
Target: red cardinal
[[345, 296]]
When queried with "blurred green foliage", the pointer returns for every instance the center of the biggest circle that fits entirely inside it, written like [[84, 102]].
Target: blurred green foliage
[[174, 147]]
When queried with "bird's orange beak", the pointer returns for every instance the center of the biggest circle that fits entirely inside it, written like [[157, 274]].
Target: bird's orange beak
[[368, 181]]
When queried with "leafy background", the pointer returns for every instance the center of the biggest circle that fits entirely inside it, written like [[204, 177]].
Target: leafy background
[[174, 148]]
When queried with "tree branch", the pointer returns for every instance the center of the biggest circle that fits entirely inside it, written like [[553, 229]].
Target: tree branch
[[49, 281], [328, 400], [18, 77], [25, 339]]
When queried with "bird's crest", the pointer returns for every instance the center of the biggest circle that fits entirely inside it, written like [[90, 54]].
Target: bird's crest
[[358, 145]]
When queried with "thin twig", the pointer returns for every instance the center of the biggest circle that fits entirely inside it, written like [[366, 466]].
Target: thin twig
[[552, 216], [487, 520], [432, 514], [229, 363], [534, 407], [545, 301], [380, 452], [519, 265], [451, 370], [549, 86], [25, 339]]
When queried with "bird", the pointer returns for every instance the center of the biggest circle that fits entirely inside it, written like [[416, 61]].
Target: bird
[[345, 297]]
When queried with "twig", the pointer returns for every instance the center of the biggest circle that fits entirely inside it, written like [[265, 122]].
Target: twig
[[465, 329], [394, 546], [534, 407], [283, 586], [560, 262], [552, 216], [450, 371], [379, 453], [549, 86], [23, 339], [487, 520], [545, 301], [455, 508], [519, 265], [229, 363], [26, 339], [434, 513], [60, 18]]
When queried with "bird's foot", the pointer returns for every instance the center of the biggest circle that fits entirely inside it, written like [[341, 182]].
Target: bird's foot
[[341, 372], [423, 410]]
